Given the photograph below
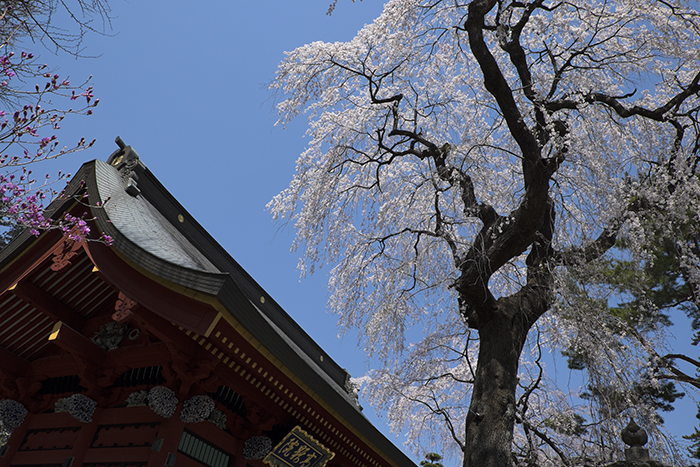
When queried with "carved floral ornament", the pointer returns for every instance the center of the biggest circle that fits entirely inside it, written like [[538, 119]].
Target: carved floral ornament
[[12, 414], [110, 335], [78, 406], [163, 402], [197, 409], [257, 447]]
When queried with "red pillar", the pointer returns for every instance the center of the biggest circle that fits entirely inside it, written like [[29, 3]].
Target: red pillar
[[170, 432], [84, 439]]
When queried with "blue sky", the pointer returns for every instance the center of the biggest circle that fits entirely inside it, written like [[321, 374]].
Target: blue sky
[[186, 86], [188, 90], [184, 83]]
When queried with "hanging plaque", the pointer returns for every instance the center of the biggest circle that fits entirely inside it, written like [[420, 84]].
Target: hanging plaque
[[299, 449]]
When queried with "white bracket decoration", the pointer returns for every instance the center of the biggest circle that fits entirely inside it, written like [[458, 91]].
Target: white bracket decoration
[[218, 418], [12, 414], [257, 447], [162, 401], [197, 409], [79, 406]]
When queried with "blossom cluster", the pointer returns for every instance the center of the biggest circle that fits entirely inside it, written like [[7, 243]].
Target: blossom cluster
[[417, 174], [21, 201], [18, 203], [23, 206], [32, 116]]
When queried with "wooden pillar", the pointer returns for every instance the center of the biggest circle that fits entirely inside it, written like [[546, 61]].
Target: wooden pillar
[[84, 439], [15, 441], [170, 432]]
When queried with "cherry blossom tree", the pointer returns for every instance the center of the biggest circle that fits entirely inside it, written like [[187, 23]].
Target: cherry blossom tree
[[469, 167], [34, 100]]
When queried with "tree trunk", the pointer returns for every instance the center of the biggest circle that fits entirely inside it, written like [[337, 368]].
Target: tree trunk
[[491, 417]]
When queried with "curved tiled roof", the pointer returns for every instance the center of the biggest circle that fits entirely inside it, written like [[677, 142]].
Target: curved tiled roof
[[141, 223]]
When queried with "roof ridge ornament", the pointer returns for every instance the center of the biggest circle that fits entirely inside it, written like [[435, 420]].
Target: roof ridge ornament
[[125, 160]]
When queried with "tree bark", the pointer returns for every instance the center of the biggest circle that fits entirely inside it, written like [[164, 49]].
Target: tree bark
[[491, 416]]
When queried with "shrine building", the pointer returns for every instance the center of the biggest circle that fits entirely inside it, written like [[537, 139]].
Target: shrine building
[[159, 349]]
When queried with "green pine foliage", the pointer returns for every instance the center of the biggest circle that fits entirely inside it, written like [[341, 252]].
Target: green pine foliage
[[432, 459], [656, 289], [695, 438]]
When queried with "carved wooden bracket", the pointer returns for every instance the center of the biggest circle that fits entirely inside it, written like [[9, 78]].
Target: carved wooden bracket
[[62, 254], [123, 308]]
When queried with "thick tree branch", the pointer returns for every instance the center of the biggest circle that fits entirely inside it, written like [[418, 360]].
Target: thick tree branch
[[658, 114], [679, 375], [496, 84], [517, 54], [593, 250]]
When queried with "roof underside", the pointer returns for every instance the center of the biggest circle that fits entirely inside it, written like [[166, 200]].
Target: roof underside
[[24, 328]]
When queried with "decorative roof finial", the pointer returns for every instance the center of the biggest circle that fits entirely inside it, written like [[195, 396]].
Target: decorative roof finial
[[125, 159], [120, 142]]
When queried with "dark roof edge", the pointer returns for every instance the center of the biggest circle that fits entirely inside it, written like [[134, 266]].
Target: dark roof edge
[[154, 191], [170, 208], [331, 386], [208, 282]]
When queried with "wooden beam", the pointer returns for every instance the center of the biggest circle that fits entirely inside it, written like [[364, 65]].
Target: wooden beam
[[134, 356], [165, 331], [13, 363], [71, 340], [137, 356], [48, 304], [52, 367], [173, 302]]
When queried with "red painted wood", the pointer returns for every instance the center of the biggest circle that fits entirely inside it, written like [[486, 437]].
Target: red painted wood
[[127, 454], [30, 260], [191, 369], [170, 431], [85, 437], [15, 441], [184, 311], [38, 457]]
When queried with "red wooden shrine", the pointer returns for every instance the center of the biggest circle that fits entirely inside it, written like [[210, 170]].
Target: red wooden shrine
[[160, 349]]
